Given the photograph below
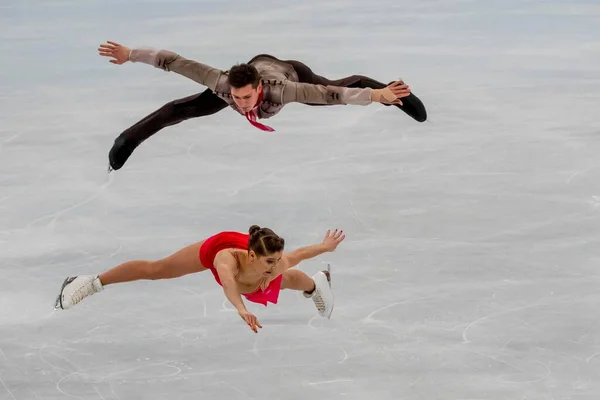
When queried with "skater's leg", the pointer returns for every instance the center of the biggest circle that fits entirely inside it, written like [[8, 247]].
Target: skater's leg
[[185, 261], [412, 105], [75, 289], [174, 112], [306, 75], [317, 288], [295, 279]]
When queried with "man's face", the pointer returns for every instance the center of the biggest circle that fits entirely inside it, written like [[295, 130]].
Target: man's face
[[245, 98]]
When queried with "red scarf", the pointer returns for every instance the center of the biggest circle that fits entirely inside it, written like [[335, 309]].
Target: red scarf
[[251, 116]]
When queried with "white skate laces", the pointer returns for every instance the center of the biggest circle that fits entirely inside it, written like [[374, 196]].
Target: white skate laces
[[322, 295], [75, 289]]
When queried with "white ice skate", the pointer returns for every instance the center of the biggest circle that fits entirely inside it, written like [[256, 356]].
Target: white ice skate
[[74, 289], [322, 296]]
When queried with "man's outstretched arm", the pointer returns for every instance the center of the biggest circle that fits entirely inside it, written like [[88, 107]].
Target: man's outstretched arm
[[164, 59], [319, 94]]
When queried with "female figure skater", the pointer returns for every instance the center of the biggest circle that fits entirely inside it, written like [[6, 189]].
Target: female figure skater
[[252, 265]]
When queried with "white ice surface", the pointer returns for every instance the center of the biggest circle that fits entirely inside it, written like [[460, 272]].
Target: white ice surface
[[470, 268]]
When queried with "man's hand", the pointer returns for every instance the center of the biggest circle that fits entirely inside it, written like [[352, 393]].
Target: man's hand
[[392, 93], [119, 53]]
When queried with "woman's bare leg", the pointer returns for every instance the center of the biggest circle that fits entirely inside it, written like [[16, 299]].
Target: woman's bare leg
[[75, 289], [297, 280], [183, 262], [318, 288]]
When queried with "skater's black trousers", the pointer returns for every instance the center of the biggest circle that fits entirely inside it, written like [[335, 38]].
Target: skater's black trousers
[[207, 103], [411, 104]]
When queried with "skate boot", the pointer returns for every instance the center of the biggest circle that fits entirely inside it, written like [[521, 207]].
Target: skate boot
[[120, 152], [322, 295], [75, 289], [412, 106]]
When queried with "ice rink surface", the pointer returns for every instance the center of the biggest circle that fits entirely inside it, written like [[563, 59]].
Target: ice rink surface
[[470, 268]]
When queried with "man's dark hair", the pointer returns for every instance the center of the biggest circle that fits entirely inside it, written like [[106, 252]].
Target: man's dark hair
[[241, 75]]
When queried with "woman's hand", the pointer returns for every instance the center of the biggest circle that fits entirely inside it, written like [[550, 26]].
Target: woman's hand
[[332, 240], [251, 320]]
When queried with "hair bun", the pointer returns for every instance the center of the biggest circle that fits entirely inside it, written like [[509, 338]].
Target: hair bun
[[253, 229]]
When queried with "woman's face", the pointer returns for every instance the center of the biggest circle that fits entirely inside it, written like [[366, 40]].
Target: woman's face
[[266, 265]]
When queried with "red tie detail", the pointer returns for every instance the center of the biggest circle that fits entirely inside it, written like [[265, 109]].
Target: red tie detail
[[251, 116]]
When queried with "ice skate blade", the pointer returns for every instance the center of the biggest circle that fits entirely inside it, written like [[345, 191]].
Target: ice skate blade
[[58, 302]]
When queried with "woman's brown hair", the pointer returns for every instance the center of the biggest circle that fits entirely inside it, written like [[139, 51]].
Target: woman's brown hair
[[264, 242]]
